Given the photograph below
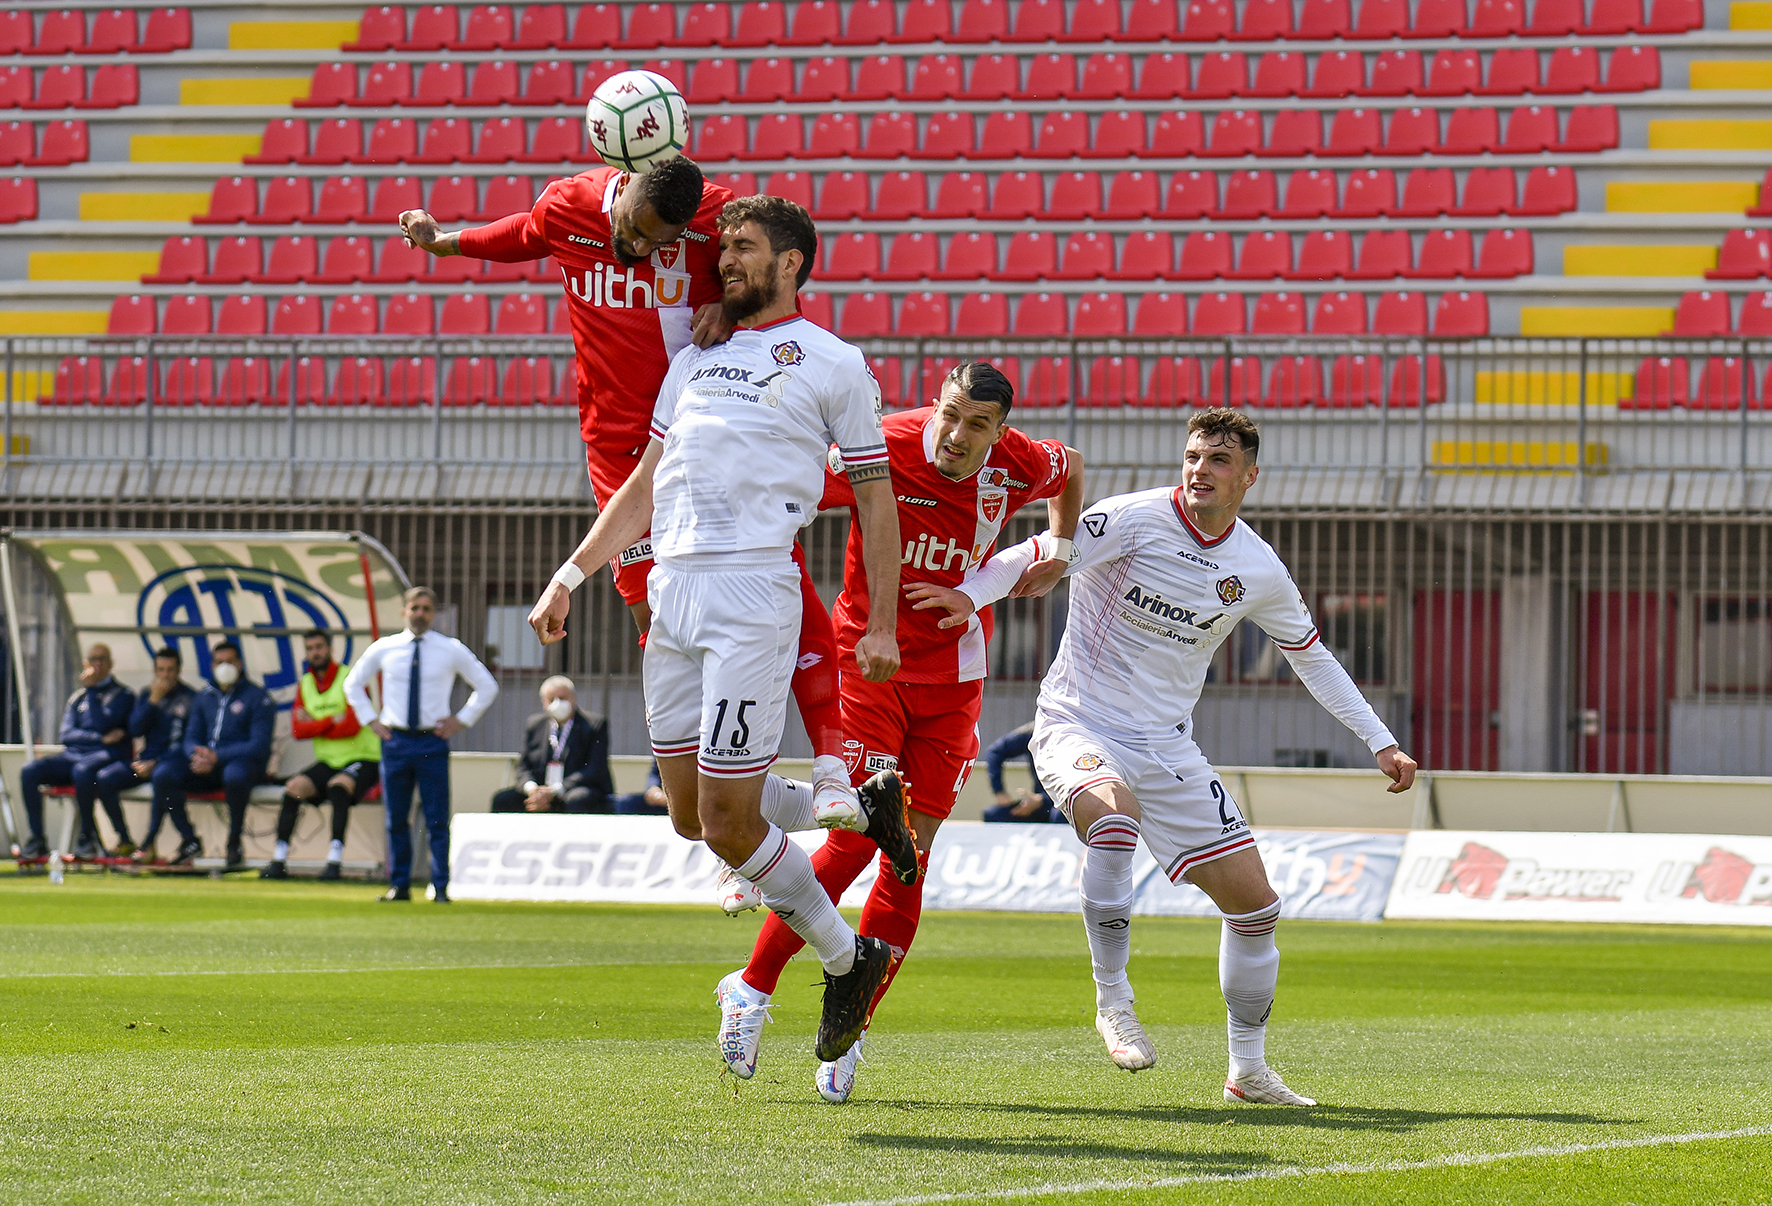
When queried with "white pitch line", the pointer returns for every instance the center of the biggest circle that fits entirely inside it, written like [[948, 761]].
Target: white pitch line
[[302, 971], [1453, 1160]]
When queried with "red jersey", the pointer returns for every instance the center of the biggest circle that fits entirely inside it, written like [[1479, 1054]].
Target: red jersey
[[949, 529], [627, 322]]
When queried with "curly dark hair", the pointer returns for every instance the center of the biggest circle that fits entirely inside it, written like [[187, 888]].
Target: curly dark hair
[[673, 189], [1221, 421], [983, 382], [787, 226]]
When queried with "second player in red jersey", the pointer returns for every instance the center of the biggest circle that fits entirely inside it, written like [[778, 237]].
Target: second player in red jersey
[[959, 472]]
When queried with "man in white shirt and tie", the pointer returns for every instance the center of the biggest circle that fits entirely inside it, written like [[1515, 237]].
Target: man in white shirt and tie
[[418, 669]]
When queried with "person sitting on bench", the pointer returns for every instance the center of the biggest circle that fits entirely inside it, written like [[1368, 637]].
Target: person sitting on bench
[[227, 744], [94, 735], [158, 722], [565, 763]]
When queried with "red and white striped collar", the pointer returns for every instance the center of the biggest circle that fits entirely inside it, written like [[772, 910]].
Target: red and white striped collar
[[1200, 538]]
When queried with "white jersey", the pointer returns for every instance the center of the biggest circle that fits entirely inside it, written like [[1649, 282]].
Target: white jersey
[[1152, 599], [746, 425]]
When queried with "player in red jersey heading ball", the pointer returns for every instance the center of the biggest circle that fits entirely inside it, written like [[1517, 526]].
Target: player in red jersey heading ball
[[639, 257], [959, 472]]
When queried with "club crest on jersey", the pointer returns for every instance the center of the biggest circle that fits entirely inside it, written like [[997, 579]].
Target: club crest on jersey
[[852, 754], [788, 353], [1230, 590], [1088, 762], [668, 255], [992, 504]]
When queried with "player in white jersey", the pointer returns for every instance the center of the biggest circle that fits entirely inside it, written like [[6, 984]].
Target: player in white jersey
[[734, 468], [1159, 579]]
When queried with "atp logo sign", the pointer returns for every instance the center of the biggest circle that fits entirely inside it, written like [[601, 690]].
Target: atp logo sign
[[239, 597]]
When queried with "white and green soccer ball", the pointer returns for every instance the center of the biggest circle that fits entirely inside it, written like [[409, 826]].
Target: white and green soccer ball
[[637, 120]]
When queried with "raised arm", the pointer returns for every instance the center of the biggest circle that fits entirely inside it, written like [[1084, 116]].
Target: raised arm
[[511, 240], [876, 653], [618, 525]]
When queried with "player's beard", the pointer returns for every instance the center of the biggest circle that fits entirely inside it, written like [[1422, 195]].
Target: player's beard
[[754, 300], [624, 252]]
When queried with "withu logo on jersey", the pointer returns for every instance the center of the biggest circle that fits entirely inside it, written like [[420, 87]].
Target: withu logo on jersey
[[608, 285]]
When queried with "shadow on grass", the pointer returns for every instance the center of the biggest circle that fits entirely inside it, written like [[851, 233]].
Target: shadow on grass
[[1322, 1117], [1069, 1147]]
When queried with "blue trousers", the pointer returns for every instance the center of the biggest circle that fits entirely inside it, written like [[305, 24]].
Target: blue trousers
[[170, 773], [77, 770], [421, 762], [235, 780]]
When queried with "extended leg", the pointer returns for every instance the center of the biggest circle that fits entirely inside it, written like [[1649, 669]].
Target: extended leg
[[1107, 819]]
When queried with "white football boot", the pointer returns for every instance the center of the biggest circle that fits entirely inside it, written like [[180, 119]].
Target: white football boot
[[735, 893], [1127, 1043], [835, 805], [836, 1080], [1262, 1088], [743, 1010]]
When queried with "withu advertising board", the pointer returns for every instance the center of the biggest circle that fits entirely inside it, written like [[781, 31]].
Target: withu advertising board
[[139, 591]]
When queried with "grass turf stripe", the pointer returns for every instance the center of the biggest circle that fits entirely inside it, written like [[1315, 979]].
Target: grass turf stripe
[[1451, 1160]]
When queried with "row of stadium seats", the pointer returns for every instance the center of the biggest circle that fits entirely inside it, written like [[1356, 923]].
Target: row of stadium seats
[[112, 86], [862, 315], [52, 144], [112, 31], [1667, 381], [297, 260], [869, 22], [1205, 255], [1246, 195], [1706, 315], [1221, 75], [401, 381]]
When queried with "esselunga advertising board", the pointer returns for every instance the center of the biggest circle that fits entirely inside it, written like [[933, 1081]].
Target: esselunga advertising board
[[1634, 877]]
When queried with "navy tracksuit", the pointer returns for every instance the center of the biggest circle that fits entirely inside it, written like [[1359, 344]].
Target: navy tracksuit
[[91, 713], [236, 724], [161, 726]]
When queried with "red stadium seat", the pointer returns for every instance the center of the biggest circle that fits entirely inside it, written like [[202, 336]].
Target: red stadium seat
[[434, 27], [994, 77], [522, 314], [1371, 193], [1445, 254], [15, 87], [1075, 195], [493, 83], [332, 84], [834, 136], [1016, 195], [759, 23], [190, 381], [410, 314], [1174, 381], [542, 27], [1248, 195], [1310, 193], [1488, 193], [1323, 19], [1702, 315], [114, 85], [393, 196], [242, 314], [1038, 21], [392, 140], [793, 186], [1111, 381], [1355, 381], [1513, 71], [1756, 315], [440, 83], [1191, 195], [1385, 255], [183, 259], [294, 259], [901, 195], [60, 87], [1177, 135], [649, 27], [528, 381], [1094, 21], [1471, 132], [338, 140], [1150, 21], [358, 382], [1504, 254], [1572, 69], [1554, 18], [390, 84], [79, 380], [982, 315], [923, 314], [720, 137], [1279, 73], [1295, 133], [1278, 314], [1721, 384], [465, 314], [824, 79], [1394, 72], [342, 199], [166, 29], [1400, 313], [814, 23], [1160, 315], [471, 381], [1265, 21], [1048, 382], [889, 136], [1353, 132], [62, 32], [1119, 135], [453, 199], [131, 315], [1461, 315], [245, 381], [768, 80], [1293, 381], [1591, 128], [880, 77], [1549, 190], [783, 136], [1452, 73], [936, 77], [1163, 77], [1032, 256], [1438, 19], [982, 21], [1219, 314], [927, 21], [297, 315], [844, 195], [870, 23], [1041, 314], [961, 195], [1744, 255], [1088, 255], [64, 142], [971, 257], [1412, 132], [352, 314], [382, 28], [1133, 195], [1498, 18], [1235, 132], [865, 315], [399, 263], [287, 199], [1266, 256], [129, 382], [1340, 74], [18, 143], [507, 195], [1530, 129], [1205, 256], [557, 140], [915, 256], [489, 27], [1674, 16], [237, 260], [595, 73], [411, 381], [1632, 69], [1232, 382], [705, 25], [1661, 382], [552, 83], [347, 261], [1222, 74], [1147, 255], [1207, 21], [1324, 255], [947, 136], [1106, 76], [1051, 77]]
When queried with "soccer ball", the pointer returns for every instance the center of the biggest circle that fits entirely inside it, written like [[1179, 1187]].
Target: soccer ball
[[637, 120]]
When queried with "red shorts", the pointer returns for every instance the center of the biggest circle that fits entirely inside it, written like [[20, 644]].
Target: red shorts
[[609, 471], [928, 732]]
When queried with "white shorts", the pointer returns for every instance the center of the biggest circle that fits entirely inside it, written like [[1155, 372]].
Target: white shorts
[[719, 663], [1189, 816]]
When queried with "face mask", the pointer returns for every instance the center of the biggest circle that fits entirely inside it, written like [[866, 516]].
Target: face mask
[[560, 709], [226, 674]]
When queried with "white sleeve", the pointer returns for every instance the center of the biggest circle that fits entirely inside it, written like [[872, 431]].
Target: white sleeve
[[480, 679], [664, 411], [998, 576], [358, 680], [1285, 618], [1101, 535], [852, 413]]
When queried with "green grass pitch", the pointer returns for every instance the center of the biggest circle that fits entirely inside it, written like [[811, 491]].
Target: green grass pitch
[[232, 1041]]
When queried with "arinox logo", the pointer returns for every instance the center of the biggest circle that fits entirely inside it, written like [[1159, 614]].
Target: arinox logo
[[1158, 606]]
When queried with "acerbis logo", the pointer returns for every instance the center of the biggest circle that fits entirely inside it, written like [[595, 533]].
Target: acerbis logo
[[1196, 559]]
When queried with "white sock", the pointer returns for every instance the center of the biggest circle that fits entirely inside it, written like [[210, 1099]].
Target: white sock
[[335, 853], [1248, 970], [787, 804], [783, 874], [281, 853], [1107, 905]]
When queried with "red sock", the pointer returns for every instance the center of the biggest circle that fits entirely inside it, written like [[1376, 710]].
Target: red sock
[[891, 915], [815, 678], [843, 856]]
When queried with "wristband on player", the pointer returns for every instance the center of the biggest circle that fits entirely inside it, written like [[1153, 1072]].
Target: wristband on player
[[1058, 548], [569, 576]]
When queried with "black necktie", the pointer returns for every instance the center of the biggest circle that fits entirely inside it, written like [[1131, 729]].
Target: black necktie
[[412, 688]]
